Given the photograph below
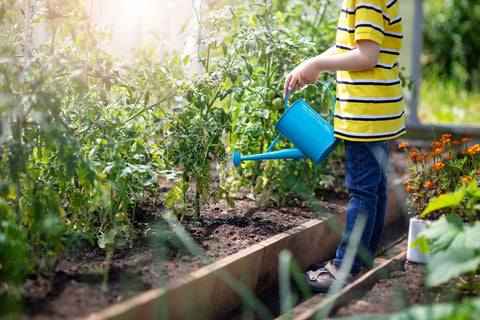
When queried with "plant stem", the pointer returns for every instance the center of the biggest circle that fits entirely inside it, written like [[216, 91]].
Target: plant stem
[[470, 283], [197, 200], [156, 104], [217, 88], [322, 15]]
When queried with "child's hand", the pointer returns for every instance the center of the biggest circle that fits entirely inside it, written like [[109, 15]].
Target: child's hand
[[305, 73]]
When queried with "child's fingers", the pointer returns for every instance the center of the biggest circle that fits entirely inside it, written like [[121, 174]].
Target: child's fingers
[[286, 86]]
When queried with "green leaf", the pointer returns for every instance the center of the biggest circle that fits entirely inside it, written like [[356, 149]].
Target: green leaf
[[441, 233], [125, 172], [438, 311], [448, 200], [422, 244], [175, 195], [108, 168], [448, 264], [468, 238]]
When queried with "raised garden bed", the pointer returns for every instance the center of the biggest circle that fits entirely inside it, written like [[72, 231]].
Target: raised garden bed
[[158, 257], [134, 273], [212, 291]]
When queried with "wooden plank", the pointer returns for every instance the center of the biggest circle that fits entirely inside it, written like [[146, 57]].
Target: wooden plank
[[243, 269], [302, 241], [396, 203]]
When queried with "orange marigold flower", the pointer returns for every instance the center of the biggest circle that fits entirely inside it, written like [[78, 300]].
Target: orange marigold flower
[[403, 145], [429, 184], [446, 136], [408, 187], [467, 179], [474, 149], [438, 150], [437, 144], [456, 142], [438, 166], [478, 172], [466, 140], [413, 156]]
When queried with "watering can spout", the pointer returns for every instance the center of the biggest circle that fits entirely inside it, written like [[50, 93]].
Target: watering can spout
[[291, 153]]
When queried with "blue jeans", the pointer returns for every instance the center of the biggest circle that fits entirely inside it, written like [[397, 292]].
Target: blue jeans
[[366, 179]]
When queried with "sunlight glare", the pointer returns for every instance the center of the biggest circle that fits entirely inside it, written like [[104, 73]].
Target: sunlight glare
[[135, 8], [138, 21]]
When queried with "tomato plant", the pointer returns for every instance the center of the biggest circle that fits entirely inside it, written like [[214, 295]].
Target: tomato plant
[[268, 48], [85, 137], [78, 141], [198, 123]]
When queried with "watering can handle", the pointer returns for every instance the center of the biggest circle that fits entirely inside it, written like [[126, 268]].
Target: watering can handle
[[331, 95], [286, 107]]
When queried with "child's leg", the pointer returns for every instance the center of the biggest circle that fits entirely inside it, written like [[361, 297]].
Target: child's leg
[[382, 155], [365, 177]]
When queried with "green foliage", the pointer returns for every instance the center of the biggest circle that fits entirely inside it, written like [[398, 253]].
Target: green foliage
[[447, 101], [77, 142], [466, 199], [454, 251], [451, 40], [466, 310], [15, 263], [452, 244], [451, 72], [192, 142], [246, 53], [267, 50], [84, 137], [195, 127], [38, 153]]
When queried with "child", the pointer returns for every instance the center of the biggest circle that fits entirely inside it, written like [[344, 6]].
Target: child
[[369, 111]]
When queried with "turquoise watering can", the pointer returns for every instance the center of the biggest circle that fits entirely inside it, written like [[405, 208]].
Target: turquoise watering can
[[311, 135]]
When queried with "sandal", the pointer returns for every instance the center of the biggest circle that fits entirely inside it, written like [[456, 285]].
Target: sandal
[[322, 279]]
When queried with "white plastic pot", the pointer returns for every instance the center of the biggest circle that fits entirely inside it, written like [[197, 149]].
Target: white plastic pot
[[413, 254]]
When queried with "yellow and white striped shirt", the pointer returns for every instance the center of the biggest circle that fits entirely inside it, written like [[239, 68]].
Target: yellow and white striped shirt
[[370, 103]]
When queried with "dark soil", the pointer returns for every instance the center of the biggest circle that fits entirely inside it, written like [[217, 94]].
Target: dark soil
[[85, 282], [404, 289]]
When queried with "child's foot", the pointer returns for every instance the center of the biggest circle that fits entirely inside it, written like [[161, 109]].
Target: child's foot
[[322, 279]]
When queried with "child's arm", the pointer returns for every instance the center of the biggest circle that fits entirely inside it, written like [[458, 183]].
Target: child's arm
[[362, 58]]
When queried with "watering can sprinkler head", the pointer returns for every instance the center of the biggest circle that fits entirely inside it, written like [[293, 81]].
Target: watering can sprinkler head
[[237, 158]]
